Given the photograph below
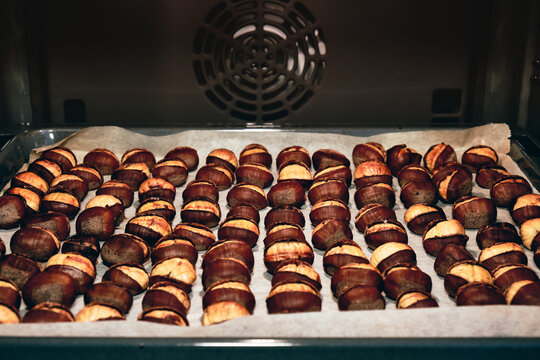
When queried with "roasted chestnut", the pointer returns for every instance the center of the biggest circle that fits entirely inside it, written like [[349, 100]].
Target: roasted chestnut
[[132, 174], [80, 268], [220, 176], [404, 278], [166, 295], [295, 171], [487, 176], [32, 201], [465, 272], [87, 246], [325, 158], [380, 193], [479, 294], [157, 188], [229, 291], [231, 248], [132, 277], [293, 298], [372, 172], [171, 246], [98, 312], [361, 297], [240, 229], [48, 312], [526, 207], [474, 211], [440, 233], [18, 268], [48, 170], [117, 189], [415, 299], [418, 216], [223, 157], [502, 254], [61, 202], [38, 244], [525, 292], [507, 189], [328, 190], [244, 211], [399, 156], [124, 248], [371, 214], [97, 221], [12, 211], [200, 190], [448, 256], [256, 153], [176, 270], [188, 155], [418, 192], [478, 156], [52, 221], [342, 253], [370, 151], [286, 193], [225, 269], [155, 206], [199, 235], [505, 275], [255, 174], [329, 209], [438, 155], [354, 274], [293, 153], [105, 161], [163, 316], [498, 232], [72, 184], [174, 171], [383, 232], [329, 231], [32, 181], [530, 233], [56, 286], [201, 212], [110, 294], [410, 173], [62, 156], [391, 254], [149, 227], [223, 311], [139, 155], [279, 250], [247, 194], [92, 176], [294, 271], [338, 172]]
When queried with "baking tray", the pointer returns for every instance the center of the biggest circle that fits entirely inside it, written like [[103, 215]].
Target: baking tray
[[16, 153]]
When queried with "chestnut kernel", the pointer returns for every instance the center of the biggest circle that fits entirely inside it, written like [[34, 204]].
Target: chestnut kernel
[[110, 294], [418, 216], [104, 160], [370, 151], [361, 297], [293, 298], [48, 312], [452, 181], [448, 256], [530, 233], [188, 155], [479, 294], [329, 231], [124, 248], [32, 201]]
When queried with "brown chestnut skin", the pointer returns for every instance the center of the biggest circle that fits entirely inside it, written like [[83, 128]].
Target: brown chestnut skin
[[370, 151], [12, 211], [61, 202], [229, 291], [139, 155], [286, 193], [241, 229], [478, 156], [452, 183], [488, 175], [391, 254], [361, 297], [438, 155], [166, 295], [200, 235], [293, 271], [52, 221], [439, 233], [53, 285], [149, 227], [38, 244], [117, 189], [63, 156], [502, 254], [284, 214], [9, 293], [410, 173], [255, 153], [163, 316], [157, 188], [354, 274], [479, 294], [174, 171], [530, 233], [18, 268], [124, 248], [32, 201], [342, 253], [97, 221], [110, 294], [156, 206], [284, 232], [491, 234], [9, 315], [80, 268], [525, 292], [464, 272], [293, 298], [188, 155], [385, 231], [279, 250], [231, 248], [225, 269], [32, 181], [325, 158], [98, 312], [200, 190], [338, 172], [293, 153], [418, 192], [104, 160], [474, 211], [379, 193], [371, 214], [171, 246], [132, 174], [295, 171], [329, 209], [399, 156], [525, 208], [403, 278], [223, 157], [176, 270], [372, 172], [448, 256], [418, 216], [132, 277], [92, 176], [220, 176], [201, 212], [505, 275], [507, 189], [329, 231], [87, 246], [48, 312], [72, 184], [244, 211], [247, 194], [254, 174], [331, 189], [48, 170], [415, 300]]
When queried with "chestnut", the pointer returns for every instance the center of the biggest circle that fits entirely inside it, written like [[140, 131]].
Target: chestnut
[[188, 155], [530, 233], [361, 297], [157, 188], [464, 272], [12, 211], [505, 275], [109, 293], [410, 173], [104, 160], [223, 157], [18, 268], [391, 254], [383, 232], [80, 268], [478, 156], [329, 231], [479, 294], [92, 176], [293, 153], [370, 151], [32, 201], [449, 255], [329, 209], [176, 270], [247, 194], [488, 175], [415, 299], [87, 246], [342, 253], [223, 311], [354, 274], [284, 232], [48, 170], [174, 171], [98, 312], [124, 248], [52, 221], [526, 207], [200, 190], [48, 312], [331, 189], [171, 246], [32, 181], [295, 171], [338, 172], [199, 235], [201, 212], [221, 177], [474, 211], [502, 254], [63, 156], [229, 291], [241, 229], [380, 193], [132, 277], [56, 286], [452, 181], [163, 316], [286, 193], [404, 278], [9, 293], [418, 216], [97, 221], [225, 269], [439, 233], [72, 184], [61, 202], [325, 158], [231, 248], [418, 192], [507, 189], [166, 295], [438, 155], [38, 244], [132, 174], [244, 211], [295, 271], [139, 155], [110, 202], [279, 250], [156, 206], [149, 227], [498, 232], [9, 315], [284, 214], [256, 153], [371, 214], [254, 174], [399, 156], [117, 189], [293, 298], [525, 292], [372, 172]]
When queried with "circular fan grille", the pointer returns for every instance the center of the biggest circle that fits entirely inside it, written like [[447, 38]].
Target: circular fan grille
[[259, 60]]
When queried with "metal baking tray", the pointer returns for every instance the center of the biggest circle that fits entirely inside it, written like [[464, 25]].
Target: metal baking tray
[[524, 151]]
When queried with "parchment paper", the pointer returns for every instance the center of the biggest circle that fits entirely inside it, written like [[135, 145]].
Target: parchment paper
[[445, 321]]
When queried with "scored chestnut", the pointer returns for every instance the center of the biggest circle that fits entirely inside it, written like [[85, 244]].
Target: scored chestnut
[[418, 192], [80, 268], [166, 295], [325, 158], [391, 254], [403, 278], [223, 157], [371, 214], [354, 274], [247, 194], [342, 253], [171, 246], [418, 216], [479, 294], [438, 155], [497, 232], [399, 156], [149, 227], [525, 292], [222, 177], [293, 298], [448, 256], [256, 153], [174, 171], [338, 172], [53, 221], [38, 244], [294, 271], [383, 232], [200, 190], [56, 286], [372, 172], [73, 184], [329, 231], [488, 175], [380, 193], [286, 193], [474, 211], [104, 160], [325, 209], [32, 181], [99, 312], [61, 202], [295, 171], [439, 233], [370, 151], [223, 311], [98, 222], [179, 271], [132, 174], [505, 275], [231, 248], [201, 212], [108, 293], [155, 206], [48, 170], [244, 211], [87, 246], [132, 277], [92, 176], [410, 173], [478, 156], [526, 207], [225, 269], [18, 268], [464, 272], [199, 235], [139, 155], [124, 248], [12, 211], [293, 153], [530, 233], [63, 156], [279, 250], [163, 316], [32, 201], [48, 312], [117, 189], [502, 254], [415, 299], [188, 155], [507, 189], [255, 174], [240, 229], [157, 188], [229, 291], [361, 297], [331, 189]]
